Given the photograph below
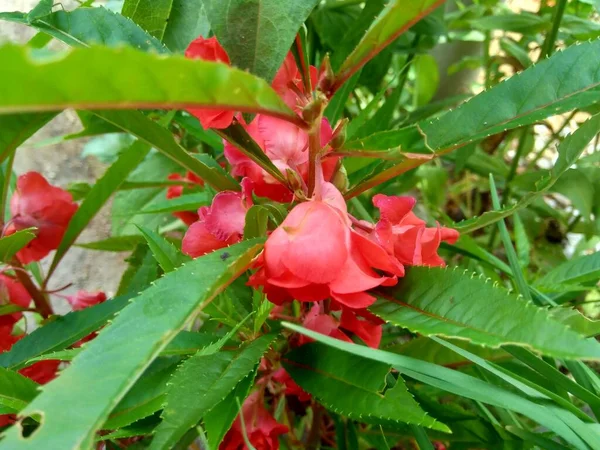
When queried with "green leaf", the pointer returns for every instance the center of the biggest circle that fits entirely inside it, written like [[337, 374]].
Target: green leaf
[[61, 332], [335, 108], [167, 256], [566, 80], [150, 15], [569, 151], [201, 383], [17, 128], [577, 321], [83, 27], [523, 22], [394, 20], [187, 21], [257, 34], [16, 391], [161, 139], [346, 386], [257, 219], [142, 270], [113, 244], [101, 191], [219, 419], [552, 417], [125, 349], [144, 80], [583, 269], [10, 245], [187, 202], [442, 302], [427, 78], [43, 8], [522, 244]]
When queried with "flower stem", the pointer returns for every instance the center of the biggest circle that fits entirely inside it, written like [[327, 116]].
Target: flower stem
[[39, 299], [314, 147]]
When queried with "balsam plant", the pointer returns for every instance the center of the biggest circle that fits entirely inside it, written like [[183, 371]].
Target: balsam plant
[[331, 244]]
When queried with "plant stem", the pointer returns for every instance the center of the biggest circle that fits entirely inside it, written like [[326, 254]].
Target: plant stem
[[314, 438], [548, 46], [6, 185], [40, 300], [554, 136], [314, 147], [515, 164]]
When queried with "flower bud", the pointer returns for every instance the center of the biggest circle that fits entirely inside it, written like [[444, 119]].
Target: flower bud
[[339, 134], [340, 178], [327, 76], [314, 110]]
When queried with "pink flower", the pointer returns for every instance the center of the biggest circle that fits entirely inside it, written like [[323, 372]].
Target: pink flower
[[11, 291], [84, 299], [187, 217], [210, 50], [36, 203], [406, 236], [261, 428], [314, 254], [286, 145], [219, 225], [288, 83]]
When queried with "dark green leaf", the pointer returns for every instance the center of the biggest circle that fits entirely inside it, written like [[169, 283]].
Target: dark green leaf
[[187, 21], [125, 349], [443, 302], [164, 252], [16, 391], [257, 34], [187, 202], [150, 15]]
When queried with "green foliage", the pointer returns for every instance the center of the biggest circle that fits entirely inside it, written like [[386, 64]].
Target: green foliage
[[265, 29], [16, 391], [10, 245], [151, 15], [127, 347], [186, 22]]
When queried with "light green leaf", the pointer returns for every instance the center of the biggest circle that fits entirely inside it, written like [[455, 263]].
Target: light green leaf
[[552, 417], [427, 78], [583, 269], [113, 244], [442, 302], [523, 22], [165, 253], [569, 151], [125, 349], [187, 202], [144, 80], [150, 15], [346, 386], [16, 391], [394, 20], [187, 21], [83, 27], [567, 80], [101, 191], [61, 332], [201, 383], [10, 245], [577, 321], [257, 34]]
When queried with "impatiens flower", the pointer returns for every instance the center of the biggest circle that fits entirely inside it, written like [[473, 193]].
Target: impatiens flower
[[84, 299], [36, 203], [261, 429], [219, 225], [315, 254], [406, 236], [210, 50], [291, 388], [187, 217], [11, 291], [286, 145]]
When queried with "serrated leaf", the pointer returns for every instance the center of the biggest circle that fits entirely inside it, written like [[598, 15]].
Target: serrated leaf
[[83, 27], [187, 202], [101, 191], [583, 269], [113, 244], [61, 332], [125, 349], [257, 34], [257, 219], [200, 384], [552, 417], [395, 19], [16, 391], [442, 302], [567, 80], [10, 245], [150, 15], [346, 386], [144, 80], [577, 321], [165, 253], [569, 151], [187, 21], [161, 139]]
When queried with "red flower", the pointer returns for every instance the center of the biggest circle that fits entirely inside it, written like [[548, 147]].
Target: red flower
[[406, 236], [187, 217], [36, 203], [262, 430], [41, 372], [291, 388], [219, 225], [210, 50], [11, 291], [286, 145], [84, 299], [314, 254]]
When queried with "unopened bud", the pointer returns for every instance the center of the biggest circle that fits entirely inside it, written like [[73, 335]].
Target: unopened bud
[[313, 110], [327, 76], [339, 134], [340, 178], [294, 180]]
